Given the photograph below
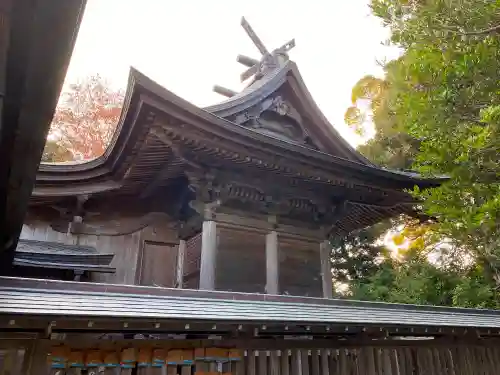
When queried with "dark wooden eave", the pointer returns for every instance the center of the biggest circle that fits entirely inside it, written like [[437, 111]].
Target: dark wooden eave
[[160, 136], [147, 104], [36, 42]]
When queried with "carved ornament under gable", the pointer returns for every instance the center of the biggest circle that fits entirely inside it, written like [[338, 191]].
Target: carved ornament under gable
[[276, 116]]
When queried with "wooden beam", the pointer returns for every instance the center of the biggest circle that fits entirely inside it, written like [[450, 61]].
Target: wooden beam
[[224, 91], [326, 272], [235, 220], [41, 37], [272, 263], [208, 255]]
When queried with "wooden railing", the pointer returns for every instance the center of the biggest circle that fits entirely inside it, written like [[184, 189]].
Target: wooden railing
[[408, 360]]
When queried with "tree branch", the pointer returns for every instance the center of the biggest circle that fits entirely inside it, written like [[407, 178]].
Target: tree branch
[[485, 31], [477, 32]]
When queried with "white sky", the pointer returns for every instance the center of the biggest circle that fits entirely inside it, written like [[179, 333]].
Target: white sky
[[188, 46]]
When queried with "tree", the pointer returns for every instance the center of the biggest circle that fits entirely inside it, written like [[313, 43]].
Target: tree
[[85, 120], [440, 101], [444, 92], [357, 256], [371, 107]]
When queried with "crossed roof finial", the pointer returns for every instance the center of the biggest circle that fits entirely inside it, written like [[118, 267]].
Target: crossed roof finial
[[254, 66], [258, 67]]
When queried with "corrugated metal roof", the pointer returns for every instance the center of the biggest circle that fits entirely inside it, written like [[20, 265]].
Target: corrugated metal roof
[[71, 302]]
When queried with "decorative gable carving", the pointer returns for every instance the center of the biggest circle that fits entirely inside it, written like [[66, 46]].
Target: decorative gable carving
[[277, 117]]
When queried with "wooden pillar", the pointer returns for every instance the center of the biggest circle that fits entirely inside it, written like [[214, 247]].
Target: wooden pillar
[[208, 255], [180, 264], [326, 271], [272, 263]]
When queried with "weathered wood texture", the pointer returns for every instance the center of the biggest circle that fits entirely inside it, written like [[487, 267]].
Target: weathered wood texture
[[425, 360], [326, 269], [11, 361], [241, 261], [300, 267], [192, 262], [158, 265], [208, 255], [127, 249]]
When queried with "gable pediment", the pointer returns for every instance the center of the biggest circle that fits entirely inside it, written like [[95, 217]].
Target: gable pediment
[[280, 105], [277, 117]]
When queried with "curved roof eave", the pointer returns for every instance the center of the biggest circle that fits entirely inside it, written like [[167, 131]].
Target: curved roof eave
[[105, 164], [142, 90]]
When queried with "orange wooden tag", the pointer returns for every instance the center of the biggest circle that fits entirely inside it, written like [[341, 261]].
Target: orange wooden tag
[[235, 355], [128, 355], [111, 359], [59, 353], [94, 358], [145, 357], [76, 359]]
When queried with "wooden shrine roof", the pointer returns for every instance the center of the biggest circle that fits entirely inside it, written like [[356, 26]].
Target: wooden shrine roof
[[150, 108], [161, 137], [149, 307]]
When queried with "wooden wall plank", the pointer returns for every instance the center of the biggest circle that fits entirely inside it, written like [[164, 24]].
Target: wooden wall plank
[[274, 363], [251, 365], [192, 263], [300, 255], [324, 358], [241, 261], [159, 263], [285, 362], [315, 362], [399, 357], [125, 250], [239, 367], [296, 367], [343, 365], [304, 361], [263, 368], [394, 362]]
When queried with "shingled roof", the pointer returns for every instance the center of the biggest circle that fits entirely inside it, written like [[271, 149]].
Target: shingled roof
[[52, 300]]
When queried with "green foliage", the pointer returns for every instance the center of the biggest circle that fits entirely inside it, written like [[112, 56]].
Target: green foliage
[[438, 110], [357, 256], [416, 280], [445, 92], [370, 106]]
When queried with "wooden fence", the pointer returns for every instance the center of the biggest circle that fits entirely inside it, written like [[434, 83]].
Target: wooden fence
[[459, 360]]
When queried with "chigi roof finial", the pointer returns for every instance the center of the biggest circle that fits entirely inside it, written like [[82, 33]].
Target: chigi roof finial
[[258, 67], [269, 60]]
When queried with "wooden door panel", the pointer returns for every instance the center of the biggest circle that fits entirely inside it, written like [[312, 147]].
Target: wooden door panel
[[158, 264]]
